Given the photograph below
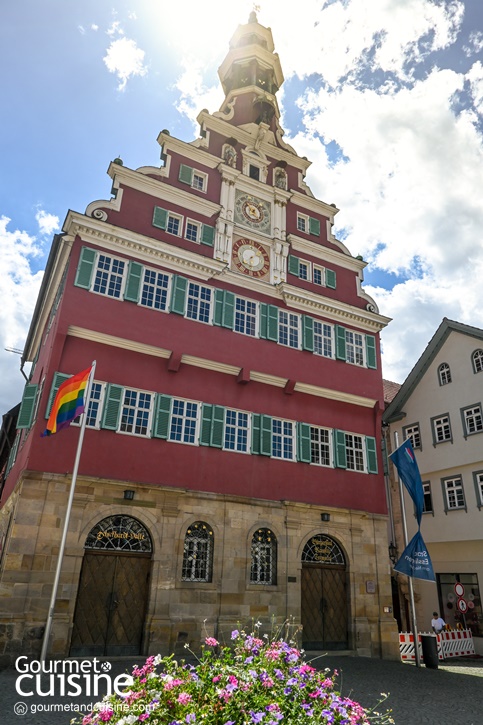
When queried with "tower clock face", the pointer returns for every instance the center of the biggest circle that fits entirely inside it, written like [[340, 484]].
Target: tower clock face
[[251, 258], [252, 212]]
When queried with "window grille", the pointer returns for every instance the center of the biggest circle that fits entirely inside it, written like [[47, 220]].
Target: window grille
[[198, 553], [264, 558]]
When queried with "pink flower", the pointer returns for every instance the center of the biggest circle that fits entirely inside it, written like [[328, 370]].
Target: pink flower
[[106, 715], [144, 716], [211, 641], [184, 698]]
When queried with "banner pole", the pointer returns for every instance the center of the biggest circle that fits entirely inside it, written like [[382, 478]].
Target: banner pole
[[48, 624], [412, 605]]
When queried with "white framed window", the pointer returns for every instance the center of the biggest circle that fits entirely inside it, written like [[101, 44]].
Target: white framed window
[[193, 177], [427, 498], [323, 339], [94, 408], [478, 478], [320, 446], [413, 433], [246, 316], [135, 412], [289, 329], [305, 271], [444, 374], [477, 360], [174, 224], [354, 452], [454, 496], [237, 431], [319, 275], [354, 342], [109, 276], [308, 225], [192, 231], [199, 180], [198, 302], [472, 420], [283, 439], [441, 427], [155, 290], [184, 421]]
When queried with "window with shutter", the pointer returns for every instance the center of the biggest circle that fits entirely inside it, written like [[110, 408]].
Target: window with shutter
[[133, 282], [371, 454], [162, 410], [340, 457], [303, 443], [27, 407], [330, 279], [57, 381], [85, 268], [112, 407], [371, 360]]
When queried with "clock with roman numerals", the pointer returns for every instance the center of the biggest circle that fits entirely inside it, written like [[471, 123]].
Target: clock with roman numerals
[[251, 258]]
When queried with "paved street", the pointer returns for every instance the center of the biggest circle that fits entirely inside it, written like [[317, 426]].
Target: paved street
[[450, 695]]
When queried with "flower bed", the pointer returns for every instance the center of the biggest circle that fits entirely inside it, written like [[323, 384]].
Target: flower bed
[[254, 680]]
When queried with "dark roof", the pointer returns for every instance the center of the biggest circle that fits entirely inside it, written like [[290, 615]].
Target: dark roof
[[390, 390], [394, 409]]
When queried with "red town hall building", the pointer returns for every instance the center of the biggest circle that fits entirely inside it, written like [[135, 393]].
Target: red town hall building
[[231, 467]]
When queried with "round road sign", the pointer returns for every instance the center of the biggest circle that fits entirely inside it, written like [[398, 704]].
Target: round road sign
[[462, 605]]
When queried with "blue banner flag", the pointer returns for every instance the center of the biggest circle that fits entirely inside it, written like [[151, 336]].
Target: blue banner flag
[[415, 560], [407, 468]]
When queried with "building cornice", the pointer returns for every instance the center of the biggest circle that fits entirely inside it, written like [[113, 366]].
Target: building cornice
[[315, 205], [183, 148], [146, 249], [324, 253], [214, 365]]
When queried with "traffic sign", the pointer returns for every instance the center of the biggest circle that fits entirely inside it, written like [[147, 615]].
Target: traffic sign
[[462, 605], [459, 589]]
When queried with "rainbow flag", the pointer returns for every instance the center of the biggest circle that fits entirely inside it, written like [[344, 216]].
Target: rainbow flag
[[68, 403]]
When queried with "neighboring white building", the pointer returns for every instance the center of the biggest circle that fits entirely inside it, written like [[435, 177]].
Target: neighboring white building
[[439, 407]]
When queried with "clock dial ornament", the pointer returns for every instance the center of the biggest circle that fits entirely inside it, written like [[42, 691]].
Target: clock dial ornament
[[251, 258], [252, 212]]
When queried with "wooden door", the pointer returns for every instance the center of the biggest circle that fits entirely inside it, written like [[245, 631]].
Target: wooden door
[[111, 604], [324, 608]]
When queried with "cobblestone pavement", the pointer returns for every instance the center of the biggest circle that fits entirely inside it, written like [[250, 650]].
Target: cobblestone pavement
[[449, 695]]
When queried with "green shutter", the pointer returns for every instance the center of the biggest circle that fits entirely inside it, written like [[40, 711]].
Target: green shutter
[[293, 265], [217, 426], [304, 445], [185, 174], [340, 351], [206, 422], [112, 407], [340, 456], [263, 320], [207, 235], [307, 333], [162, 410], [330, 278], [272, 323], [85, 268], [160, 217], [314, 226], [13, 454], [255, 447], [178, 295], [27, 407], [371, 360], [57, 381], [133, 284], [371, 454], [228, 319], [218, 311], [265, 435]]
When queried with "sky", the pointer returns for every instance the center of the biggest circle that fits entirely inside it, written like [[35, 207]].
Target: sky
[[384, 97]]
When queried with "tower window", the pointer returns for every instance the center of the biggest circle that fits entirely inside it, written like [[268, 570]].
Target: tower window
[[254, 172]]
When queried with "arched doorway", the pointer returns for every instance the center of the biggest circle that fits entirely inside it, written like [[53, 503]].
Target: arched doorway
[[113, 589], [324, 595]]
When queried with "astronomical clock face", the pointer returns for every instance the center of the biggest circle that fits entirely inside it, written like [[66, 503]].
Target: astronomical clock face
[[251, 258], [252, 212]]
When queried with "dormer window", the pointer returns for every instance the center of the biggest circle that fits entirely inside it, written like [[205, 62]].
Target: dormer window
[[254, 172], [444, 374], [254, 165]]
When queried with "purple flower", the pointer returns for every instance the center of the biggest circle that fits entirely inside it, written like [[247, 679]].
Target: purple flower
[[235, 634], [257, 716]]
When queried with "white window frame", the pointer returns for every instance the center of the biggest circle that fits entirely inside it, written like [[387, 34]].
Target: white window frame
[[98, 402], [355, 455], [454, 493], [355, 349], [139, 409], [440, 424], [477, 360], [203, 178], [155, 286], [478, 476], [237, 430], [280, 438], [188, 405], [290, 325], [308, 267], [444, 374], [179, 219], [472, 416], [200, 302], [413, 432], [245, 315], [316, 446], [427, 492], [306, 222], [318, 268], [321, 338], [114, 281], [197, 226]]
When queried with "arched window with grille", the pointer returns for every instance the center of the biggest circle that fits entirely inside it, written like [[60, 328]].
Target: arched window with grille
[[263, 557], [444, 374], [477, 359], [198, 553]]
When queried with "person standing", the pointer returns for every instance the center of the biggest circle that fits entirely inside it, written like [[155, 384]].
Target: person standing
[[437, 623]]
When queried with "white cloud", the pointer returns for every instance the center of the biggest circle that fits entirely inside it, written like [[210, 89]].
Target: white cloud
[[126, 60], [19, 288], [48, 223]]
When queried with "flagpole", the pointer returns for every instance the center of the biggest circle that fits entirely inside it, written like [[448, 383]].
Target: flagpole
[[48, 624], [412, 605]]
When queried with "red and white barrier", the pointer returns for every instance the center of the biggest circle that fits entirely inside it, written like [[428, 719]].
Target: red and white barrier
[[450, 644]]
